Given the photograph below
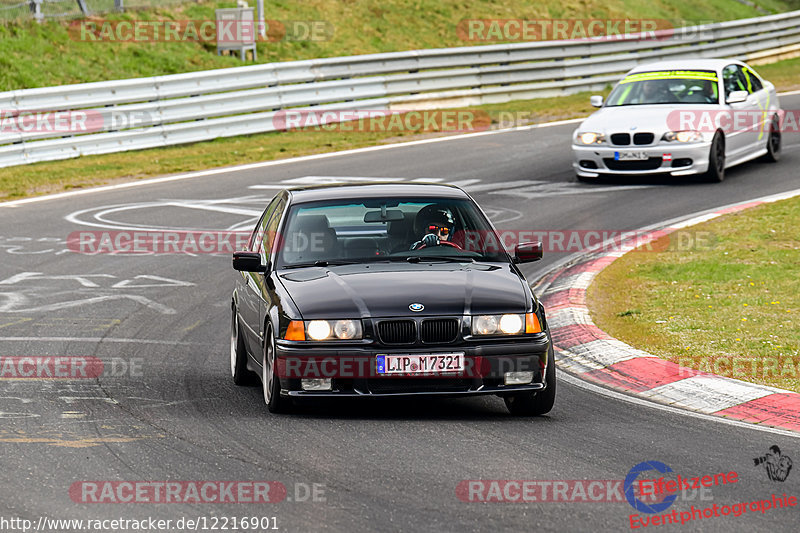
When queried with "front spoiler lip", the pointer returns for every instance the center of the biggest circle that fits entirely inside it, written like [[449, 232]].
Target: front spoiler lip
[[483, 390], [698, 152]]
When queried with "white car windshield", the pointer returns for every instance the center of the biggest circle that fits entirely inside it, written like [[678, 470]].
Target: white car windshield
[[666, 87]]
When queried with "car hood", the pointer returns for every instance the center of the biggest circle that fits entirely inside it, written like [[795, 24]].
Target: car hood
[[644, 118], [387, 290]]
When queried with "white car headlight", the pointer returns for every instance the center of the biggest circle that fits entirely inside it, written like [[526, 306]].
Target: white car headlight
[[320, 330], [590, 137], [683, 136]]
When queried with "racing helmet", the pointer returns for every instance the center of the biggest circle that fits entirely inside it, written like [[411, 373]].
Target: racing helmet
[[433, 215]]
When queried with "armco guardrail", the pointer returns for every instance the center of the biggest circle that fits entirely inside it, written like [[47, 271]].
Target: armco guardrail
[[199, 106]]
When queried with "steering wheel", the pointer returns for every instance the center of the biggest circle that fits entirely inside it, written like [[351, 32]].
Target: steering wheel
[[442, 243]]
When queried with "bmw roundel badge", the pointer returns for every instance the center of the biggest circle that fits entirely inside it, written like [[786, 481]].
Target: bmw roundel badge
[[416, 307]]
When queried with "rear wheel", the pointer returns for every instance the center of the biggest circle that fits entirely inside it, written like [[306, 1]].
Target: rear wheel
[[716, 159], [773, 154], [536, 403], [270, 382], [241, 375]]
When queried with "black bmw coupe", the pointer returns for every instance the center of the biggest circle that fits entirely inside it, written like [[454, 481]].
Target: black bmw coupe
[[387, 290]]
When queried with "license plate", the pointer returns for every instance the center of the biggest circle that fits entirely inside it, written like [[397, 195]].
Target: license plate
[[630, 156], [420, 363]]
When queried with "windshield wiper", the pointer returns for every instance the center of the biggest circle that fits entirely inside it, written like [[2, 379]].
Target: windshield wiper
[[322, 263], [445, 258]]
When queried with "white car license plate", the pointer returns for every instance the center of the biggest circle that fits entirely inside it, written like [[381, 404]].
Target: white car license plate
[[420, 363], [630, 156]]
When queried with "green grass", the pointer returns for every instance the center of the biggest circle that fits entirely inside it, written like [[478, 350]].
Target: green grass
[[729, 305], [34, 55], [784, 74]]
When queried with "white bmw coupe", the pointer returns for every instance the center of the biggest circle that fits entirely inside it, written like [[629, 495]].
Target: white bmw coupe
[[678, 118]]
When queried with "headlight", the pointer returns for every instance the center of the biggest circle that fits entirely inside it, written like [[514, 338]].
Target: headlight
[[318, 329], [683, 136], [484, 325], [591, 138], [321, 330], [347, 329], [510, 324]]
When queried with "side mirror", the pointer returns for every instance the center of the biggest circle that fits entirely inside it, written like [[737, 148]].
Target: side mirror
[[248, 262], [737, 96], [528, 252], [596, 100]]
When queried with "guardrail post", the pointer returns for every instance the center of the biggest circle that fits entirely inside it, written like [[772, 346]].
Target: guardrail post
[[262, 27], [84, 7], [36, 9]]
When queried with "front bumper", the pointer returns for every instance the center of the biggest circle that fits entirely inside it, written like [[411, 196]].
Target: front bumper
[[674, 159], [353, 372]]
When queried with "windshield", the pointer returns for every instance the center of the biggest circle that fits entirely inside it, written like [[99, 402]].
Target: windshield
[[395, 229], [666, 87]]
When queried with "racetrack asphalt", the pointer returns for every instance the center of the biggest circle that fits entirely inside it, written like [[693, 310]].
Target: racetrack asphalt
[[388, 465]]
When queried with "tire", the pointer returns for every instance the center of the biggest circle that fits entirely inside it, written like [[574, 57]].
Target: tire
[[270, 383], [773, 154], [241, 375], [536, 403], [716, 160]]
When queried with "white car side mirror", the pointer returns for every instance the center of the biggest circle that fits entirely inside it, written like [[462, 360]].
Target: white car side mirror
[[737, 96], [596, 100]]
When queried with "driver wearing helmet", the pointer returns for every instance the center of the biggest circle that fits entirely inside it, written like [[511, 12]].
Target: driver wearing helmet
[[434, 225]]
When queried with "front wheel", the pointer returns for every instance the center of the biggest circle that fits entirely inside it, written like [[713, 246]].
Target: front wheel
[[536, 403], [270, 382], [716, 160], [241, 375], [773, 154]]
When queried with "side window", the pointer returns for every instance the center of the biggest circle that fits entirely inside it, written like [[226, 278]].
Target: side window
[[255, 240], [734, 80], [753, 82], [270, 231]]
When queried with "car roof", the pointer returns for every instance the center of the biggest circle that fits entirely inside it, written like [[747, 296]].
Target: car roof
[[685, 64], [343, 191]]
